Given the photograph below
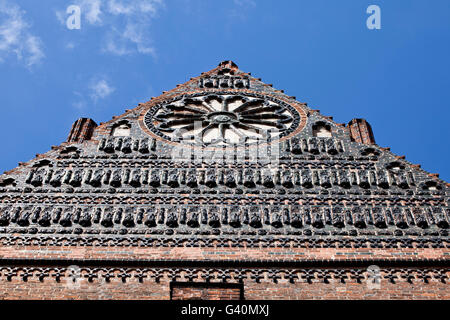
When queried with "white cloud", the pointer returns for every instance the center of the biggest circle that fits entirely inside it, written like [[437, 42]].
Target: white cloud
[[16, 38], [117, 8], [130, 40], [100, 89], [245, 3], [127, 23], [112, 45], [33, 50], [97, 88], [70, 45], [79, 105], [240, 10], [61, 16], [91, 10]]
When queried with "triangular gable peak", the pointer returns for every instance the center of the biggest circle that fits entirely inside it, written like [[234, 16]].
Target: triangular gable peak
[[226, 76], [318, 158]]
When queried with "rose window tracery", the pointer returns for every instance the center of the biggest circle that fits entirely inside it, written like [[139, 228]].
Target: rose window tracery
[[222, 119]]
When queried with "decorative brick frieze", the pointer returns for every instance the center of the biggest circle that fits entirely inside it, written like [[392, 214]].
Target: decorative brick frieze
[[310, 275], [224, 82], [278, 241], [207, 219]]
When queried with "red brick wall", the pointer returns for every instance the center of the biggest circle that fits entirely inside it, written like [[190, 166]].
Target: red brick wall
[[205, 291], [149, 290], [41, 282], [334, 290], [82, 130], [361, 131], [49, 289], [226, 254]]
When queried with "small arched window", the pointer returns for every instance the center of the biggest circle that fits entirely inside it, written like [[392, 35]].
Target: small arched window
[[321, 130], [70, 150], [395, 166], [121, 130], [370, 152], [226, 72], [43, 163], [431, 186]]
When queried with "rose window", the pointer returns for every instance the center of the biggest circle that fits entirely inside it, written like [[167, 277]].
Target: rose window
[[222, 119]]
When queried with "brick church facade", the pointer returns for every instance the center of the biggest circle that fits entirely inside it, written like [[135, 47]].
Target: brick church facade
[[223, 188]]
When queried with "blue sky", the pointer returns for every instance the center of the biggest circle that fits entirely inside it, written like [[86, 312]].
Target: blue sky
[[398, 77]]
